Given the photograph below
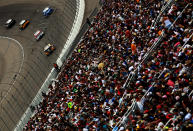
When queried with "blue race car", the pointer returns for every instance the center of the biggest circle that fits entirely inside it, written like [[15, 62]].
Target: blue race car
[[48, 11]]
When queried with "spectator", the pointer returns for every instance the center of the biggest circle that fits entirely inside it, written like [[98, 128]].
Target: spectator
[[90, 89]]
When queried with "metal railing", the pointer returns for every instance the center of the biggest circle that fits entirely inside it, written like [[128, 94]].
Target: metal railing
[[163, 9], [124, 119]]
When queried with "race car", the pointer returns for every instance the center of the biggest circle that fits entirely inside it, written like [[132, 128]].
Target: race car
[[38, 34], [48, 49], [23, 24], [9, 23], [48, 11]]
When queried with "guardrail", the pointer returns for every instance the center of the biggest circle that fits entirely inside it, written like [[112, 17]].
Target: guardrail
[[123, 119], [53, 74], [161, 12]]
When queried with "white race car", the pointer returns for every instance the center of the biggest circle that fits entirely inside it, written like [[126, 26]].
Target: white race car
[[38, 34]]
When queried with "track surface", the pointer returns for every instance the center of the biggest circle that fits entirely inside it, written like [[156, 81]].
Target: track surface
[[36, 65], [10, 52]]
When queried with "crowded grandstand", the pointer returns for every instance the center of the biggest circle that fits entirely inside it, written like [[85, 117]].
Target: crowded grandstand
[[132, 70]]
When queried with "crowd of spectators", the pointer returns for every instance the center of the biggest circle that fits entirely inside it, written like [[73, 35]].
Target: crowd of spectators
[[88, 93]]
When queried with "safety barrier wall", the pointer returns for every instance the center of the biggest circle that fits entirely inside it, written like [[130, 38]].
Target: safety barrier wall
[[53, 74]]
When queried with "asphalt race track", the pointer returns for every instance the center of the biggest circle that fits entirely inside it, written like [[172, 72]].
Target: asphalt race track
[[18, 87], [10, 52]]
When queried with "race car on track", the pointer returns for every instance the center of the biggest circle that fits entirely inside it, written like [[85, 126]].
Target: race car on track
[[48, 11], [9, 23], [38, 34], [48, 49], [23, 24]]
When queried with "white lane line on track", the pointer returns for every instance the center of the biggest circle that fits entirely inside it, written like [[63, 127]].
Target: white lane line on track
[[7, 48], [4, 37]]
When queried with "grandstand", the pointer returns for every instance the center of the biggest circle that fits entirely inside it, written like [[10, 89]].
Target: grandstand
[[132, 70]]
